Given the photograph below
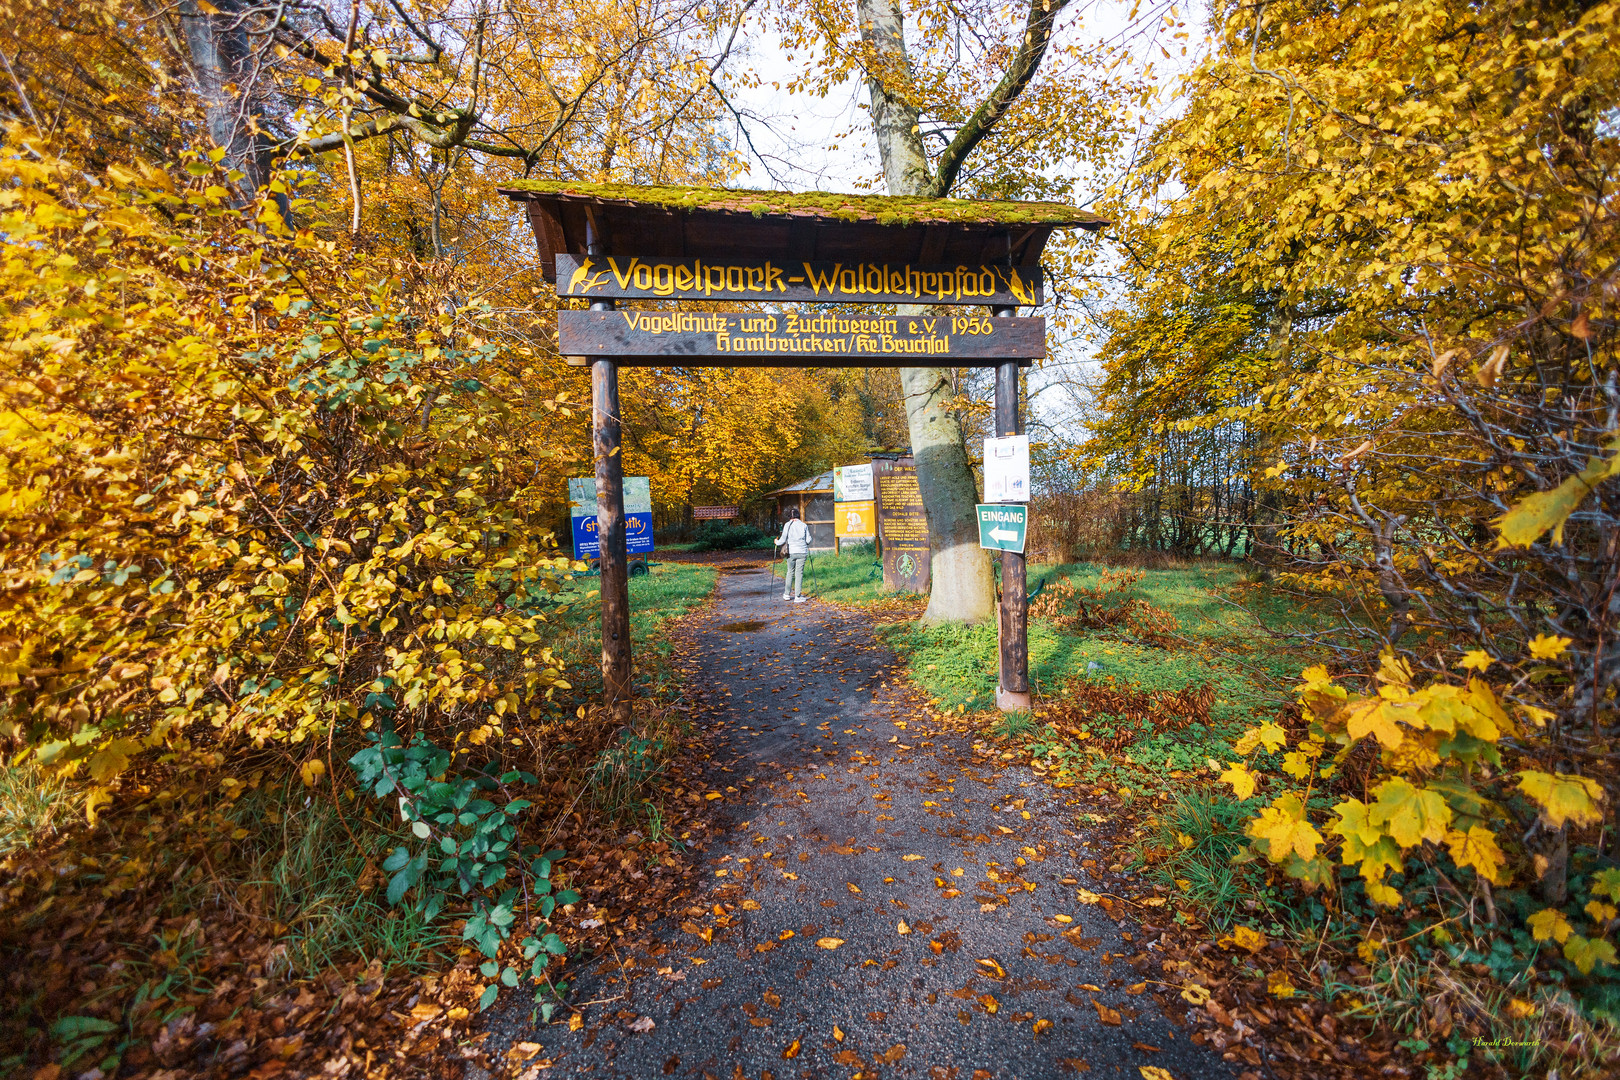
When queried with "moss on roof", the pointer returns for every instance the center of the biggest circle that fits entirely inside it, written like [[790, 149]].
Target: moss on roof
[[882, 209]]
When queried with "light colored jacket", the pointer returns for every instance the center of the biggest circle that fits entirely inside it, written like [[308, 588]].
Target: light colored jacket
[[796, 535]]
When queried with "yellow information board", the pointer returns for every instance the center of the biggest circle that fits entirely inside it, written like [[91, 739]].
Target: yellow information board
[[854, 520]]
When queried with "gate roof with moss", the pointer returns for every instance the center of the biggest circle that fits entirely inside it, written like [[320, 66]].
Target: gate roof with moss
[[666, 221]]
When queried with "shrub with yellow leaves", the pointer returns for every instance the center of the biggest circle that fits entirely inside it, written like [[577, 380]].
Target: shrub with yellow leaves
[[252, 485]]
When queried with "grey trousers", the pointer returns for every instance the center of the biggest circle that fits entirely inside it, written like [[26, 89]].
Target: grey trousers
[[793, 576]]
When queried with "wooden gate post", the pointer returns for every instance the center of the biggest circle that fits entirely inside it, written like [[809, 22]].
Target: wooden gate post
[[1012, 685], [605, 445]]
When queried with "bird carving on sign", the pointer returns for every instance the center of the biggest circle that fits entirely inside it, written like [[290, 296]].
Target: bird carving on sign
[[582, 274], [1019, 288]]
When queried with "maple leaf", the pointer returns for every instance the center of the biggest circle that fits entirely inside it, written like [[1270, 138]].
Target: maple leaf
[[1296, 764], [1246, 938], [1377, 717], [1544, 647], [1241, 779], [1315, 677], [1477, 848], [1409, 814], [1279, 985], [1563, 797], [1383, 895], [1600, 912], [1549, 923], [1607, 883], [1283, 827], [1273, 736], [1587, 953], [1475, 660], [1525, 522]]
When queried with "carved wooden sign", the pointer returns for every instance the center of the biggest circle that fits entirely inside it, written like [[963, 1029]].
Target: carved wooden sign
[[634, 278], [797, 339]]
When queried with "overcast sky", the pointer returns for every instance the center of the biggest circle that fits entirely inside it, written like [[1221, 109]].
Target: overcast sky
[[804, 142]]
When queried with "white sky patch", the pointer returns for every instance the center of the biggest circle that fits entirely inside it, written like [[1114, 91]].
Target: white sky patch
[[810, 142]]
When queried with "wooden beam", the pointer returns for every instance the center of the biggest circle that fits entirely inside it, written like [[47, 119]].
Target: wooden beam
[[1012, 684], [607, 448]]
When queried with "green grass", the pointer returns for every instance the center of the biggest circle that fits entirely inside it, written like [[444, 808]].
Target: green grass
[[1216, 644], [33, 807], [303, 872], [667, 591], [854, 576], [1202, 834]]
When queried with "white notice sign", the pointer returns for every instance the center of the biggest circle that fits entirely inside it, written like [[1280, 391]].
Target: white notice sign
[[1006, 469], [853, 483]]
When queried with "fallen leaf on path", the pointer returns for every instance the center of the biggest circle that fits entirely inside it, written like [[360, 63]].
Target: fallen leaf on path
[[750, 905], [1145, 1046], [1078, 1065], [1136, 988], [838, 1033], [1042, 1025], [993, 969], [712, 795], [643, 1025], [1107, 1015], [830, 942], [903, 928], [911, 858], [892, 1054], [1086, 896], [1063, 918], [990, 1004], [1194, 994], [576, 1022], [792, 1050], [1245, 937], [1153, 1072], [1152, 901], [772, 998]]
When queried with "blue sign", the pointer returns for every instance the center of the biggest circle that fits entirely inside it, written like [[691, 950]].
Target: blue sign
[[638, 536]]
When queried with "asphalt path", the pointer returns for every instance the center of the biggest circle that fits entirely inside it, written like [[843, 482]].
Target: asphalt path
[[881, 901]]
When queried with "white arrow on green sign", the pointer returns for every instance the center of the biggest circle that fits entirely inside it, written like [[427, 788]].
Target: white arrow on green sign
[[1002, 526]]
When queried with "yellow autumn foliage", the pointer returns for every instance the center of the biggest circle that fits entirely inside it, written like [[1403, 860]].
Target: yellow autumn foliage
[[253, 484]]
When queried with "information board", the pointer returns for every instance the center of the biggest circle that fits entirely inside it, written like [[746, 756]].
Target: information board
[[638, 524], [1006, 469], [902, 527], [640, 278], [798, 337], [854, 520], [853, 483]]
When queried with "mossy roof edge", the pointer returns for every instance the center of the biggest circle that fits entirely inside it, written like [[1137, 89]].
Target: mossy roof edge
[[882, 209]]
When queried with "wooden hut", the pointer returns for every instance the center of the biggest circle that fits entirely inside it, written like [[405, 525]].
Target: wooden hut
[[813, 498]]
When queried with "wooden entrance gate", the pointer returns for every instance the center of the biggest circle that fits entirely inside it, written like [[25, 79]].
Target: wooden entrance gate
[[603, 243]]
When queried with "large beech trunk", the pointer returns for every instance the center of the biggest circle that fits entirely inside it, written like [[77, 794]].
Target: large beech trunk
[[963, 585]]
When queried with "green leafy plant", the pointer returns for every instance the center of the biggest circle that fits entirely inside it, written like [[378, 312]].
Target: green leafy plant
[[468, 849]]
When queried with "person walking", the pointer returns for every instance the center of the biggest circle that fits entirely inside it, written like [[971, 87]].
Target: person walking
[[796, 538]]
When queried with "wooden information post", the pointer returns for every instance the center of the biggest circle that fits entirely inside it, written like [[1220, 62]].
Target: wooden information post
[[831, 256]]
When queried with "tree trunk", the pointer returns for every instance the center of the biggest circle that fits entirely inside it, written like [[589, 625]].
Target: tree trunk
[[963, 587], [222, 63]]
